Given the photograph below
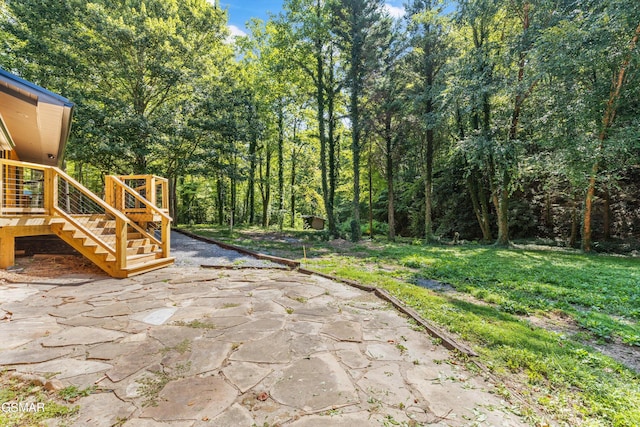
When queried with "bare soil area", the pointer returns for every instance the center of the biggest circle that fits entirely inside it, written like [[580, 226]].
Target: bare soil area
[[35, 268]]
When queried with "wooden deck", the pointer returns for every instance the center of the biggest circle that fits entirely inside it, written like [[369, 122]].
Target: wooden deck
[[127, 233]]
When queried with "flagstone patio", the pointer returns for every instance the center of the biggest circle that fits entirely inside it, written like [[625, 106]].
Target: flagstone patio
[[187, 346]]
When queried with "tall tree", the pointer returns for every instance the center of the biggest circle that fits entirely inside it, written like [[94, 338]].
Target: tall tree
[[607, 122], [360, 26], [591, 87], [311, 48], [387, 115], [430, 51]]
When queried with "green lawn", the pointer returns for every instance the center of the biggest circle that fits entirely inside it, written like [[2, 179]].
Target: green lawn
[[496, 292]]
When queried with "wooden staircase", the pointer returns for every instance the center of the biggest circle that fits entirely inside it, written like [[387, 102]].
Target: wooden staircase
[[98, 234]]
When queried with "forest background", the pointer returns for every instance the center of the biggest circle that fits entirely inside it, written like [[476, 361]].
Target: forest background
[[492, 121]]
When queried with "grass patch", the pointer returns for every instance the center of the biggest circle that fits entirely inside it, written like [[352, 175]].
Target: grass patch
[[566, 379], [196, 324], [181, 348], [38, 406], [73, 393], [152, 385]]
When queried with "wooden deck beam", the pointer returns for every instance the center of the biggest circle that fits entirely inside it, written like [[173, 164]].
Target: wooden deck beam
[[10, 228]]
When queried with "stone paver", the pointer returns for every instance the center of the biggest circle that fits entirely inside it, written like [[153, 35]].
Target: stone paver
[[190, 347]]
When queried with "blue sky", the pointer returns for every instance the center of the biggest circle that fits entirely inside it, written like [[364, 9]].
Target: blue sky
[[241, 11]]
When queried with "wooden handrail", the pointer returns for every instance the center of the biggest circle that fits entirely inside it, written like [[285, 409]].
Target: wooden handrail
[[157, 178], [119, 251], [24, 164], [86, 230], [108, 208]]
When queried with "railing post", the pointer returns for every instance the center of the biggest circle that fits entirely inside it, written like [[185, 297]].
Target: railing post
[[108, 191], [151, 191], [148, 183], [165, 194], [121, 243], [50, 191], [166, 237], [7, 255]]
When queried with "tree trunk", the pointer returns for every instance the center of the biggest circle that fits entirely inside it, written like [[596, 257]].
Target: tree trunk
[[220, 198], [293, 188], [503, 211], [486, 217], [480, 206], [428, 186], [355, 79], [607, 121], [233, 190], [173, 197], [320, 100], [294, 160], [607, 214], [573, 238], [370, 194], [280, 165], [355, 150], [266, 188], [251, 198], [333, 165], [390, 187]]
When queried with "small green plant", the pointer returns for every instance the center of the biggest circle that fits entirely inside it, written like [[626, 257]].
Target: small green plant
[[151, 386], [73, 393], [182, 347], [197, 324], [402, 348], [289, 310], [230, 305]]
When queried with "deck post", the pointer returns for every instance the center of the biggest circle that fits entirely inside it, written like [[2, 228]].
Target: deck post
[[50, 191], [151, 191], [166, 237], [7, 251], [121, 244]]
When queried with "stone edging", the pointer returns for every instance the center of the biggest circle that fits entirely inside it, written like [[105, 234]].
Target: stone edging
[[435, 332]]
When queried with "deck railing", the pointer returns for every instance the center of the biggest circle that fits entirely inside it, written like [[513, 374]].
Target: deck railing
[[154, 189], [153, 219], [23, 188]]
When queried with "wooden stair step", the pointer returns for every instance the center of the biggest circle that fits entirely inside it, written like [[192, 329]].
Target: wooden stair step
[[139, 268], [137, 250], [135, 242], [141, 258], [143, 253]]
